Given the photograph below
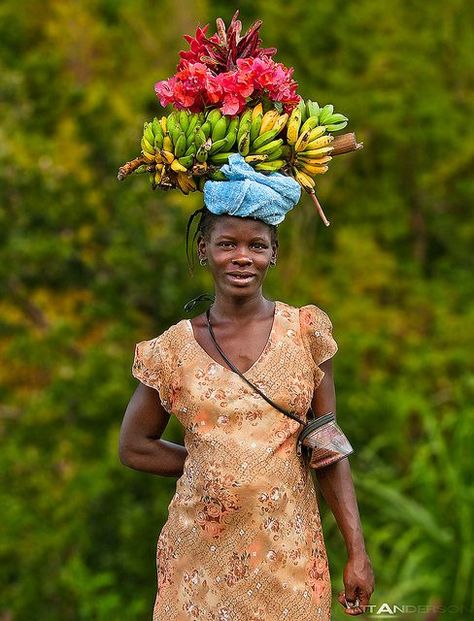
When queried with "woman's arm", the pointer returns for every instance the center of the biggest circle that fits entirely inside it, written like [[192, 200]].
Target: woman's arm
[[337, 487], [140, 446]]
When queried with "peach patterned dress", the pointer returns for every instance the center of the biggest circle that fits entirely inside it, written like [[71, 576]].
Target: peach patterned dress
[[243, 539]]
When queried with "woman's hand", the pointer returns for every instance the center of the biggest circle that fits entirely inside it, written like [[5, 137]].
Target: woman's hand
[[359, 584]]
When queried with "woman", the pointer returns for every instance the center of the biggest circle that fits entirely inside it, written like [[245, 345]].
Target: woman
[[243, 540]]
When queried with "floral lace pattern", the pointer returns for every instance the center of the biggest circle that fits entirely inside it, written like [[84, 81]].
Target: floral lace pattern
[[243, 540]]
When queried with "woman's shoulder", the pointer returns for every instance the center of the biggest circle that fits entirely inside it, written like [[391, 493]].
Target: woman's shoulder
[[309, 314], [169, 339]]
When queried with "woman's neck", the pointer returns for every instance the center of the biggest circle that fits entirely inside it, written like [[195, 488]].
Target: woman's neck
[[238, 307]]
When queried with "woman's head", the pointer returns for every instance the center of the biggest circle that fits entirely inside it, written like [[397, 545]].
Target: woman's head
[[237, 250]]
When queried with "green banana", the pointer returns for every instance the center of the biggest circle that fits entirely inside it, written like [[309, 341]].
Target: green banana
[[325, 113], [218, 175], [231, 135], [303, 110], [184, 120], [158, 139], [186, 161], [193, 121], [244, 143], [244, 124], [156, 126], [206, 129], [269, 147], [255, 126], [213, 116], [176, 133], [219, 130], [336, 118], [265, 138], [203, 152], [191, 150], [171, 122], [313, 108], [220, 158], [199, 137], [217, 146], [336, 127], [180, 145], [148, 132], [271, 166], [275, 155]]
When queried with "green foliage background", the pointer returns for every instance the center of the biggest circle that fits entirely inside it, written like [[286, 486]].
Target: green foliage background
[[89, 266]]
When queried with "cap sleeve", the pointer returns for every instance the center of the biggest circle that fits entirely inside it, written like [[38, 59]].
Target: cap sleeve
[[150, 367], [316, 331]]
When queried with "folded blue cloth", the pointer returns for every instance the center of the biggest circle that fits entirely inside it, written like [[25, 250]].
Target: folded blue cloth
[[251, 194]]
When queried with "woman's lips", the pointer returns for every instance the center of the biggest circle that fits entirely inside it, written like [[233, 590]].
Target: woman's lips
[[240, 278]]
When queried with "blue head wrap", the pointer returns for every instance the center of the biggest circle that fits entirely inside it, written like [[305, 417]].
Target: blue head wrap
[[251, 194]]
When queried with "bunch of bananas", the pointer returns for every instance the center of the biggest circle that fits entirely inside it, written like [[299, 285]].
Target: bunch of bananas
[[169, 149], [308, 135], [184, 149]]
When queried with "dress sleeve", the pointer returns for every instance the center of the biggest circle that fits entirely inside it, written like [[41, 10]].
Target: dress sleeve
[[150, 367], [316, 331]]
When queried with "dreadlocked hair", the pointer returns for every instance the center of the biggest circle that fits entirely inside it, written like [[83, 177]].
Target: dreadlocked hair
[[205, 225]]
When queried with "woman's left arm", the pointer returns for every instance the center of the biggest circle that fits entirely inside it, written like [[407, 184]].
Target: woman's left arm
[[337, 487]]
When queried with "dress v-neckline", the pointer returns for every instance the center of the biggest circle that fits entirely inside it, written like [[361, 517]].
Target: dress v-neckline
[[257, 361]]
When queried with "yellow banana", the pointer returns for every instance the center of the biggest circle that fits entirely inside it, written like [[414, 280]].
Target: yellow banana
[[316, 132], [310, 123], [315, 153], [148, 156], [158, 174], [250, 159], [304, 180], [268, 121], [323, 141], [167, 144], [280, 122], [256, 110], [167, 156], [293, 126], [313, 160], [310, 169], [146, 146], [163, 123], [177, 167]]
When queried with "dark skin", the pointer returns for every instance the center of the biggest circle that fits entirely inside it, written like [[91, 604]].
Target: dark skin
[[242, 320]]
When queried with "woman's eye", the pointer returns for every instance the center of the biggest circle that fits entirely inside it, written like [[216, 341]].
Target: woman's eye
[[259, 245]]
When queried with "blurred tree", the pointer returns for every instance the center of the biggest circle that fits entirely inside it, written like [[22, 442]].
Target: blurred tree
[[90, 266]]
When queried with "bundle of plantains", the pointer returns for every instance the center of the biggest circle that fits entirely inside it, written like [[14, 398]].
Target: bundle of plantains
[[229, 96]]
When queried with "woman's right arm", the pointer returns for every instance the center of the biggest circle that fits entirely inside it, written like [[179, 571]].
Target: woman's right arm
[[140, 446]]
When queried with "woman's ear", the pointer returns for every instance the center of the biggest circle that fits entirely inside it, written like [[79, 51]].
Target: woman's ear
[[201, 247]]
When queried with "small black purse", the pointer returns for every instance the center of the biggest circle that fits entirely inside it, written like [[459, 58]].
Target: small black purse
[[321, 440]]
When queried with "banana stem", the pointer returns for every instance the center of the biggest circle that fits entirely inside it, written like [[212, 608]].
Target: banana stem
[[314, 198], [129, 167], [345, 143]]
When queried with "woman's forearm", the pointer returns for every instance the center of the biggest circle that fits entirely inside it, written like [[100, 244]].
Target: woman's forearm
[[337, 487], [156, 457]]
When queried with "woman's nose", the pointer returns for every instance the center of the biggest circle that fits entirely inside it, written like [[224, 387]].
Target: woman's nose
[[242, 259]]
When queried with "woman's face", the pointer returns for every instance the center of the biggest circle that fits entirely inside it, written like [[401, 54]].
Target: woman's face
[[239, 252]]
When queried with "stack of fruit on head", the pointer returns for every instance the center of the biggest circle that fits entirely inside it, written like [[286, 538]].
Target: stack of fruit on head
[[229, 97]]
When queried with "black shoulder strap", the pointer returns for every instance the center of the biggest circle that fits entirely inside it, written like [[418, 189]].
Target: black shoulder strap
[[236, 370]]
